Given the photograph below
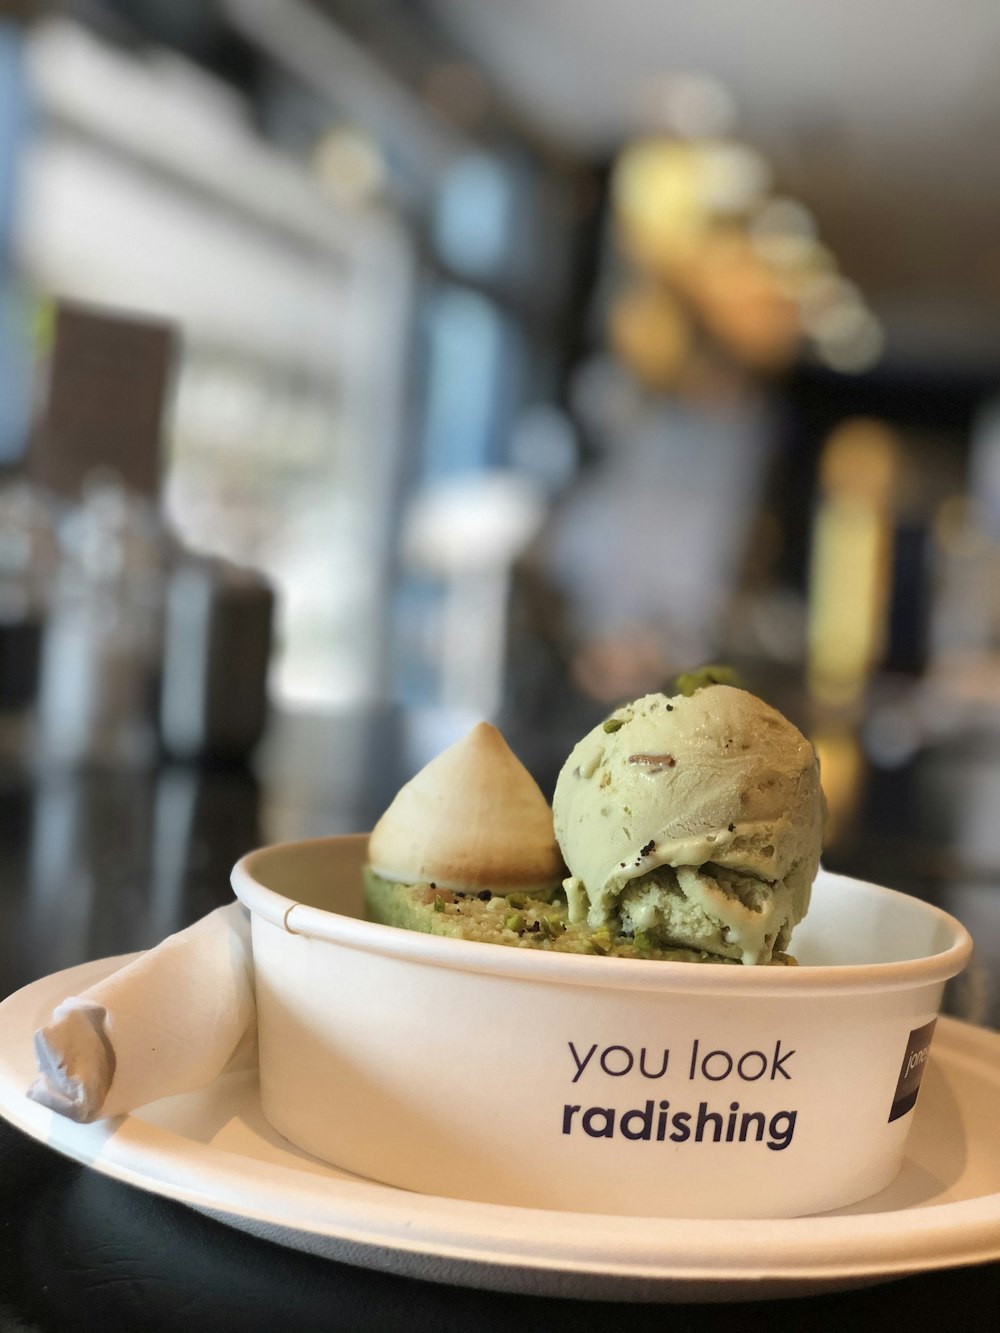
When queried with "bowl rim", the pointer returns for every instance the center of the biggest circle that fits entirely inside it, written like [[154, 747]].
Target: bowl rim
[[543, 966]]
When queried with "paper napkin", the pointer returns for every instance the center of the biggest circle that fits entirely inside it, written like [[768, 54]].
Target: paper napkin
[[169, 1022]]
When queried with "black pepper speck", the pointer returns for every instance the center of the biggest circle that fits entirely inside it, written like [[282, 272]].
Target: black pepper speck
[[485, 896]]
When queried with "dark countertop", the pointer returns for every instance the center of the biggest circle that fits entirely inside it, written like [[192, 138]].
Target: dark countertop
[[95, 864]]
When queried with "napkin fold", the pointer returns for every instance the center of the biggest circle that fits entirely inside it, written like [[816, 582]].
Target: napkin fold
[[168, 1022]]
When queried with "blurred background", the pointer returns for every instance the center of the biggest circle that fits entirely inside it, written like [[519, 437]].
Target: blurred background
[[368, 367]]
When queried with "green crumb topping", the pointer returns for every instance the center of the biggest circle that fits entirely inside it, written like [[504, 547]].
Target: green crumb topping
[[716, 673], [614, 724], [533, 919], [552, 926], [643, 943], [601, 940]]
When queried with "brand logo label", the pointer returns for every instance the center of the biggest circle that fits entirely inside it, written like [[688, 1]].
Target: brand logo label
[[914, 1062]]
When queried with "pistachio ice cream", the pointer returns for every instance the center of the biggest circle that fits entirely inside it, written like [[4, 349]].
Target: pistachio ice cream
[[693, 822]]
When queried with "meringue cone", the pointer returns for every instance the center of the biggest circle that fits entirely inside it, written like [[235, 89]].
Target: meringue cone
[[473, 818]]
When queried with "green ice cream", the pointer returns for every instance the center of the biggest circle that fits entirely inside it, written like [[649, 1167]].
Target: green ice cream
[[696, 820]]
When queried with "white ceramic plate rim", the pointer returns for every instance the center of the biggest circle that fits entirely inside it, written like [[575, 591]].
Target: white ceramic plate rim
[[576, 969], [385, 1221]]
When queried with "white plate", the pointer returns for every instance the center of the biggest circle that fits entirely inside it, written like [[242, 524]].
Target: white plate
[[214, 1151]]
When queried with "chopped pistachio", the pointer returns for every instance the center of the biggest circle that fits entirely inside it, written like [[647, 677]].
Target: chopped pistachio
[[517, 899], [643, 942], [513, 921], [601, 940], [716, 673], [614, 724], [439, 903]]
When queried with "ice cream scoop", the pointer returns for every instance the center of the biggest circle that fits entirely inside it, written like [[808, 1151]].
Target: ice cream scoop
[[695, 819], [473, 818]]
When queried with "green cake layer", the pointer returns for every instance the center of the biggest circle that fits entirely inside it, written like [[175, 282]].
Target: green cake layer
[[518, 920]]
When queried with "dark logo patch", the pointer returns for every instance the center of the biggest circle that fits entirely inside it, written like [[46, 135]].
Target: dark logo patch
[[914, 1062]]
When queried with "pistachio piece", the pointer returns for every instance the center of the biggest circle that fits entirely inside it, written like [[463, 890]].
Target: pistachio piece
[[601, 940], [714, 673], [551, 926]]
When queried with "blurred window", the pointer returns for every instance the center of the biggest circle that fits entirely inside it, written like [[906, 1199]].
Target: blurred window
[[146, 188], [15, 351], [475, 217], [473, 364]]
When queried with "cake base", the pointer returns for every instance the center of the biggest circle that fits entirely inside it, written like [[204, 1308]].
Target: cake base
[[517, 920]]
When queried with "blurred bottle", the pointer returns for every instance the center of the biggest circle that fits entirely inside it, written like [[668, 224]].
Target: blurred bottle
[[967, 548], [967, 569], [101, 646], [27, 562], [850, 575], [216, 650]]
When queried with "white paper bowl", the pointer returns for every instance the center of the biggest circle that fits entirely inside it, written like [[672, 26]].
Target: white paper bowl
[[524, 1077]]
